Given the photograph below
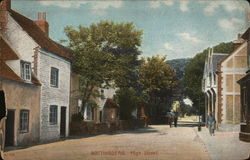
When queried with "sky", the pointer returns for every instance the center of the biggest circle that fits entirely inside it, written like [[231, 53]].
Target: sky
[[175, 28]]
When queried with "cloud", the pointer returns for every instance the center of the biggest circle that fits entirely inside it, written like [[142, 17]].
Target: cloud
[[189, 37], [230, 24], [100, 7], [63, 4], [168, 2], [97, 7], [157, 4], [184, 6], [168, 46], [226, 5]]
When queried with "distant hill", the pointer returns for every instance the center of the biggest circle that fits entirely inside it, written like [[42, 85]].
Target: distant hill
[[179, 65]]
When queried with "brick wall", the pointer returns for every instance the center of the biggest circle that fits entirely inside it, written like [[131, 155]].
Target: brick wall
[[220, 98]]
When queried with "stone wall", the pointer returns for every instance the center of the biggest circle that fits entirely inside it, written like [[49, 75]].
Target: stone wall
[[58, 96], [90, 128]]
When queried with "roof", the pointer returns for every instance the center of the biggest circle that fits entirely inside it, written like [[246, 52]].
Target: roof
[[217, 58], [7, 53], [39, 36], [246, 34]]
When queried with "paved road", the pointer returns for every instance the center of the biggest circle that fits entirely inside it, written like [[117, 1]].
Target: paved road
[[154, 143]]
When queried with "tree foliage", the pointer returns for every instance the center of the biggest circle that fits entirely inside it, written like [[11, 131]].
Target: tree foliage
[[103, 53], [157, 79], [128, 100]]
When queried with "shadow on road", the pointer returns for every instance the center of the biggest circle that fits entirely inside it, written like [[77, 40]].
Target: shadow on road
[[189, 124]]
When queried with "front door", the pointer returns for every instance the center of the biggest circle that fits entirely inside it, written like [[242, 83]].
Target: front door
[[63, 122], [10, 122]]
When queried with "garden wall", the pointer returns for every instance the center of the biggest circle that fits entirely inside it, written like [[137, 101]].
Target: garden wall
[[80, 128]]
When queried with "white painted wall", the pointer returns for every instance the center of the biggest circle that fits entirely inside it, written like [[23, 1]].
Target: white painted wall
[[21, 42], [53, 96]]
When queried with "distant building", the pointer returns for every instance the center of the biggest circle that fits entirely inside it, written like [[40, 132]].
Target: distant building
[[230, 70], [41, 58], [245, 93]]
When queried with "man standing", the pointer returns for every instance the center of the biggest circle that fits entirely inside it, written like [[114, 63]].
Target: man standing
[[175, 119], [211, 124]]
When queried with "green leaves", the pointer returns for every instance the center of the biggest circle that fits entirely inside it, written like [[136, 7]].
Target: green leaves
[[103, 53], [156, 75]]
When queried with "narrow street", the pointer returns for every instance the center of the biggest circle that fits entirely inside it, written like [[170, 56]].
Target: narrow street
[[156, 142]]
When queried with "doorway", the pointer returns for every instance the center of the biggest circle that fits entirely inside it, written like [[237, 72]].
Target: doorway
[[63, 122], [10, 123]]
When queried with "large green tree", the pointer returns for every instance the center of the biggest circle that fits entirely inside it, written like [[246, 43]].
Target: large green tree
[[157, 79], [194, 73], [103, 54]]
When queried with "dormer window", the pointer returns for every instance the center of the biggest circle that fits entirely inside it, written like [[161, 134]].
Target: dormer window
[[26, 70]]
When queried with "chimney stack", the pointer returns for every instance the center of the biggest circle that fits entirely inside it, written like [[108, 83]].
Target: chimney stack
[[5, 6], [238, 42], [42, 23]]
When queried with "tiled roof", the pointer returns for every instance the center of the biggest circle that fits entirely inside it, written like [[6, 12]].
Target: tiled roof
[[217, 58], [7, 53], [7, 72], [39, 36]]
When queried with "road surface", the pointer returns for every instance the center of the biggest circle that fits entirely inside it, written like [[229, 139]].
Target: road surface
[[157, 142]]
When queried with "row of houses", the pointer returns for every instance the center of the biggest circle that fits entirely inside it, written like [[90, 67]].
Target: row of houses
[[38, 83], [224, 97]]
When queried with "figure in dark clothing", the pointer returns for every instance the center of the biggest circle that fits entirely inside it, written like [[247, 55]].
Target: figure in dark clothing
[[211, 124], [175, 119], [170, 118]]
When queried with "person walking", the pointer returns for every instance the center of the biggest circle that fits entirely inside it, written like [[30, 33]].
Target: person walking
[[211, 124], [175, 119]]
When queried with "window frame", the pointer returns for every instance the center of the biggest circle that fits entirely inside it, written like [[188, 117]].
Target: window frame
[[56, 80], [25, 71], [21, 122], [53, 120]]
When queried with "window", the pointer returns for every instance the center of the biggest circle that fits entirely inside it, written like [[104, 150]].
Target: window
[[26, 70], [54, 77], [24, 121], [53, 115]]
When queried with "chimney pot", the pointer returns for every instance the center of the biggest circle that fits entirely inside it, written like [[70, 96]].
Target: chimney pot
[[42, 23]]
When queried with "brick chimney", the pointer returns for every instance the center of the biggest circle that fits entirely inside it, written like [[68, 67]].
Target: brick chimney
[[42, 23], [5, 6], [238, 42]]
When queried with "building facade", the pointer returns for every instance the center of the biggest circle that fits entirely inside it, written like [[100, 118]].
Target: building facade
[[244, 82], [50, 64], [209, 82], [230, 70], [22, 98]]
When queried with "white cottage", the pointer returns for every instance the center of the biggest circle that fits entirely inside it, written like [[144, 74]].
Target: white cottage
[[50, 63]]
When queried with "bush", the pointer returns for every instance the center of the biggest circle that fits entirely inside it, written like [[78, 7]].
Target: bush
[[77, 117]]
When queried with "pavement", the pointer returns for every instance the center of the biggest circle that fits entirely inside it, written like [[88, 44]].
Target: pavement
[[225, 145]]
